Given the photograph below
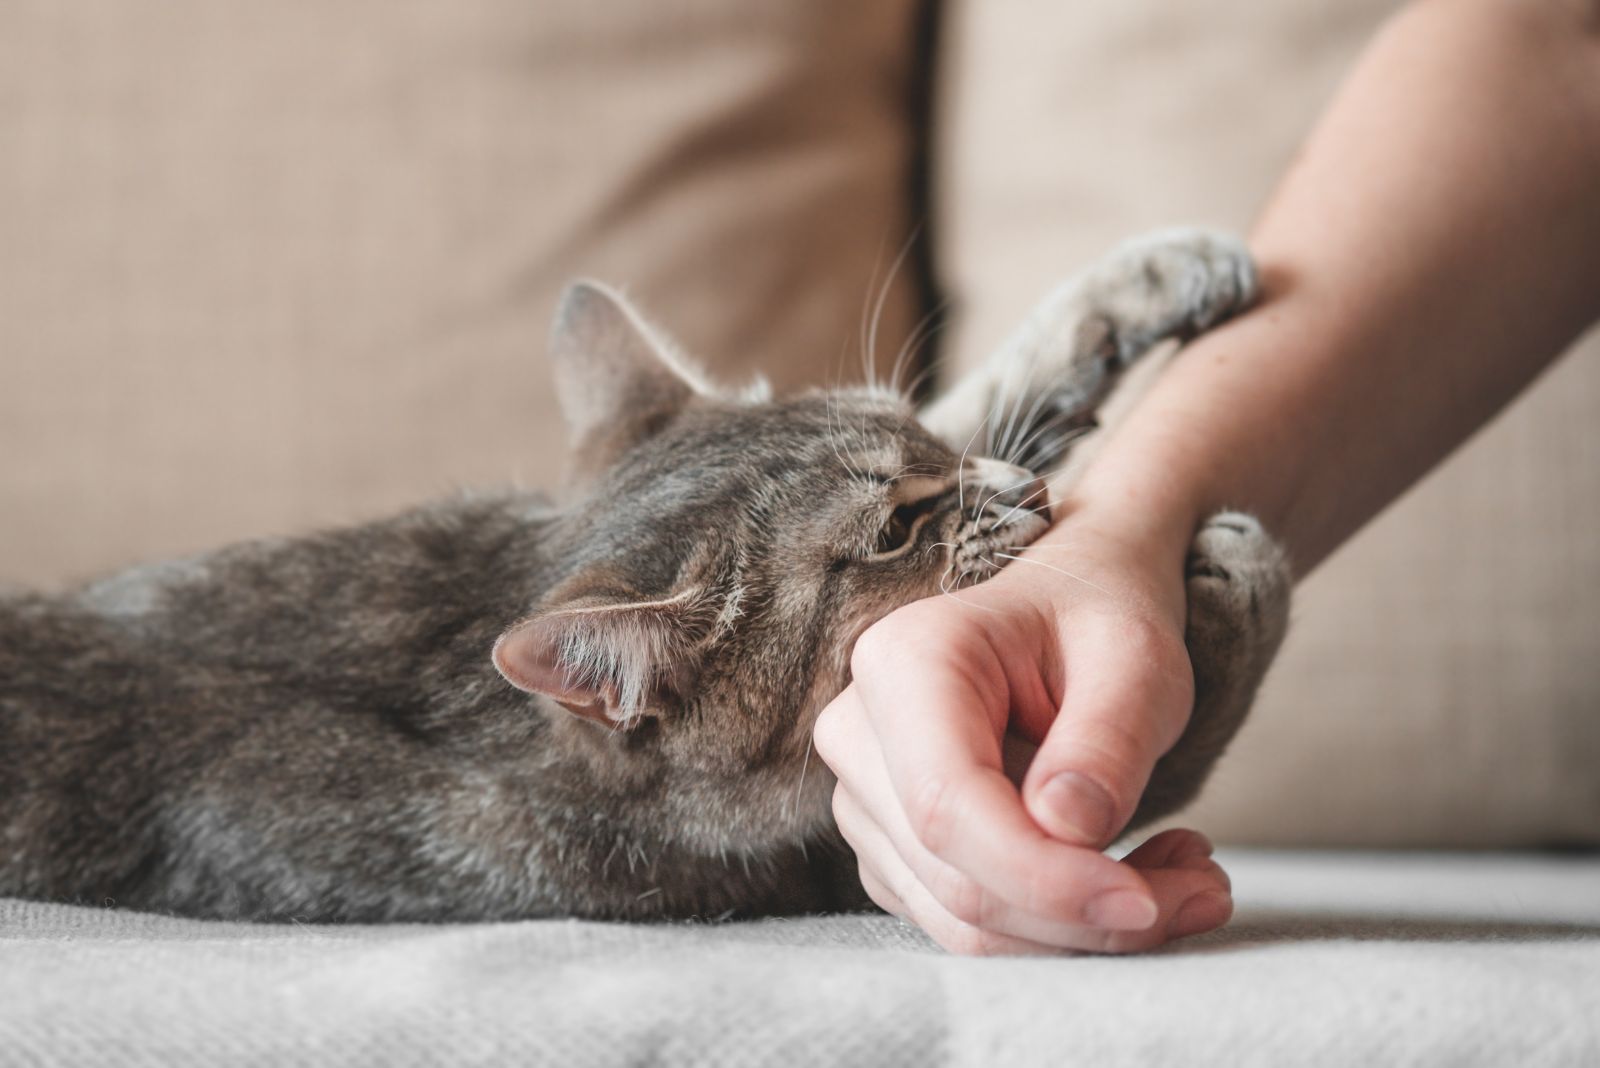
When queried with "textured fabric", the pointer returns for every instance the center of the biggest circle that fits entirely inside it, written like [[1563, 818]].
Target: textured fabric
[[1333, 960], [1439, 682], [273, 265]]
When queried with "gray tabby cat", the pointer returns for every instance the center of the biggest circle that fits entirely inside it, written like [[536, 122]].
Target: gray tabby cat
[[505, 707]]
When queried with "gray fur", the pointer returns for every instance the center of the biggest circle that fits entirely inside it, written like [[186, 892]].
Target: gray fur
[[316, 727]]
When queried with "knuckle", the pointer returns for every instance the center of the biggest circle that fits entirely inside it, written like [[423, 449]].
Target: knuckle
[[911, 632], [880, 645], [874, 644], [827, 733]]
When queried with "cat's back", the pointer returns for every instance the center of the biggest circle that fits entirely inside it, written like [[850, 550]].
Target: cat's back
[[118, 697]]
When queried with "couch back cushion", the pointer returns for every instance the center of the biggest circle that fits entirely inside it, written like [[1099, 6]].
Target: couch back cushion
[[275, 265], [1440, 684]]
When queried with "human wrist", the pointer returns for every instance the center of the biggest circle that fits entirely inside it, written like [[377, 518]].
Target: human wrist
[[1104, 545], [1146, 515]]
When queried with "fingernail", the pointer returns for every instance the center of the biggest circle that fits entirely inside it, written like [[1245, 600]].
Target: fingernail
[[1078, 808], [1121, 910], [1206, 911]]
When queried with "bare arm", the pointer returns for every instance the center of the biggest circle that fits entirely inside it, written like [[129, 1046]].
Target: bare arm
[[1434, 246]]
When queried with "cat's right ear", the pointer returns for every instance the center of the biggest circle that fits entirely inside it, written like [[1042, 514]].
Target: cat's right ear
[[609, 656], [618, 379]]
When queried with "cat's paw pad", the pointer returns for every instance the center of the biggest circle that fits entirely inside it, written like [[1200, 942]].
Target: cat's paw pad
[[1235, 567]]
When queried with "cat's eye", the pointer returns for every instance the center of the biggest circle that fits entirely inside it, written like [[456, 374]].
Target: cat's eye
[[900, 525], [896, 531]]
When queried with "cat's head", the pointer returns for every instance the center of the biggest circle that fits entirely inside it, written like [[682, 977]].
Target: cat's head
[[722, 550]]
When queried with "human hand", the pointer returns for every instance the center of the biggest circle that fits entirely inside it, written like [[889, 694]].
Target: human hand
[[1091, 667]]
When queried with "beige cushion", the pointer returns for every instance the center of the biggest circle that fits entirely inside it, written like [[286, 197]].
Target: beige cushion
[[269, 265], [1441, 682]]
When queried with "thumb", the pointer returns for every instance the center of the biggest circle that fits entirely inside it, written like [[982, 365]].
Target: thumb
[[1121, 710]]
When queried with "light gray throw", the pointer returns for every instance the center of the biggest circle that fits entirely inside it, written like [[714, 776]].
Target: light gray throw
[[1336, 959]]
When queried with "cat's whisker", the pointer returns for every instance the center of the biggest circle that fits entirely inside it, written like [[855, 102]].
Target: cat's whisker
[[961, 464], [920, 335], [977, 513], [910, 471], [993, 418], [1023, 421], [1022, 506], [1004, 490], [950, 577], [915, 385], [1016, 379], [1012, 408], [1030, 420], [882, 302], [1049, 426], [866, 310], [836, 439], [805, 762], [1042, 510], [1057, 570]]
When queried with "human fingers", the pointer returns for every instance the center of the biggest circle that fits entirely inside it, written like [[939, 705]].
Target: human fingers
[[881, 895], [894, 888], [954, 907], [1127, 692], [1211, 905], [936, 711]]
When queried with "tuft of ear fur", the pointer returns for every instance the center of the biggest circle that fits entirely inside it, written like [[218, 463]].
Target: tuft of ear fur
[[617, 377], [607, 656]]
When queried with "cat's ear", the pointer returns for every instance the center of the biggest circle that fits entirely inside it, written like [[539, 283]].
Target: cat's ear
[[617, 378], [607, 656]]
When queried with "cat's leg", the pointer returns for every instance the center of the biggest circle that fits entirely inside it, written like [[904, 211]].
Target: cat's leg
[[1238, 586], [1039, 391]]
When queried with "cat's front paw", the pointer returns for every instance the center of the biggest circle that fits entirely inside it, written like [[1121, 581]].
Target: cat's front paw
[[1238, 582], [1173, 283]]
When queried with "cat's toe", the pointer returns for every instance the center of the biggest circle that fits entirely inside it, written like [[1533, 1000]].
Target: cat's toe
[[1175, 283], [1230, 537], [1219, 274], [1236, 568]]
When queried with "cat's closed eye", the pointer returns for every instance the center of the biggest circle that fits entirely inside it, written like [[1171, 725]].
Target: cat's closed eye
[[902, 524]]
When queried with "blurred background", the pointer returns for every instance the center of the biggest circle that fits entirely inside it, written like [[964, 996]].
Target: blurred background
[[265, 267]]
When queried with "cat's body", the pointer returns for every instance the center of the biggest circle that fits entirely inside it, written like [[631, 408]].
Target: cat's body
[[500, 706], [313, 728]]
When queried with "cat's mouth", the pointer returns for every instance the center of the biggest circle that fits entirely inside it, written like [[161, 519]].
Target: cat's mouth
[[1006, 509]]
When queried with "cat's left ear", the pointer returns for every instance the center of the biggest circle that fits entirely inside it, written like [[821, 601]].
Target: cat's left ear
[[617, 377], [608, 656]]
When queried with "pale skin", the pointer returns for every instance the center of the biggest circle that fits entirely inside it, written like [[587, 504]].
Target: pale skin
[[1435, 245]]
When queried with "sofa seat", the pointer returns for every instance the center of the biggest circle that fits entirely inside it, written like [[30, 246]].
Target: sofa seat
[[1333, 958]]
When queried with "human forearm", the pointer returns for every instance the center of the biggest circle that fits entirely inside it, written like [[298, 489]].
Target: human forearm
[[1435, 245]]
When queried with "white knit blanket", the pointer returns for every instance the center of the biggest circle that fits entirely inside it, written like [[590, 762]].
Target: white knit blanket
[[1336, 959]]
